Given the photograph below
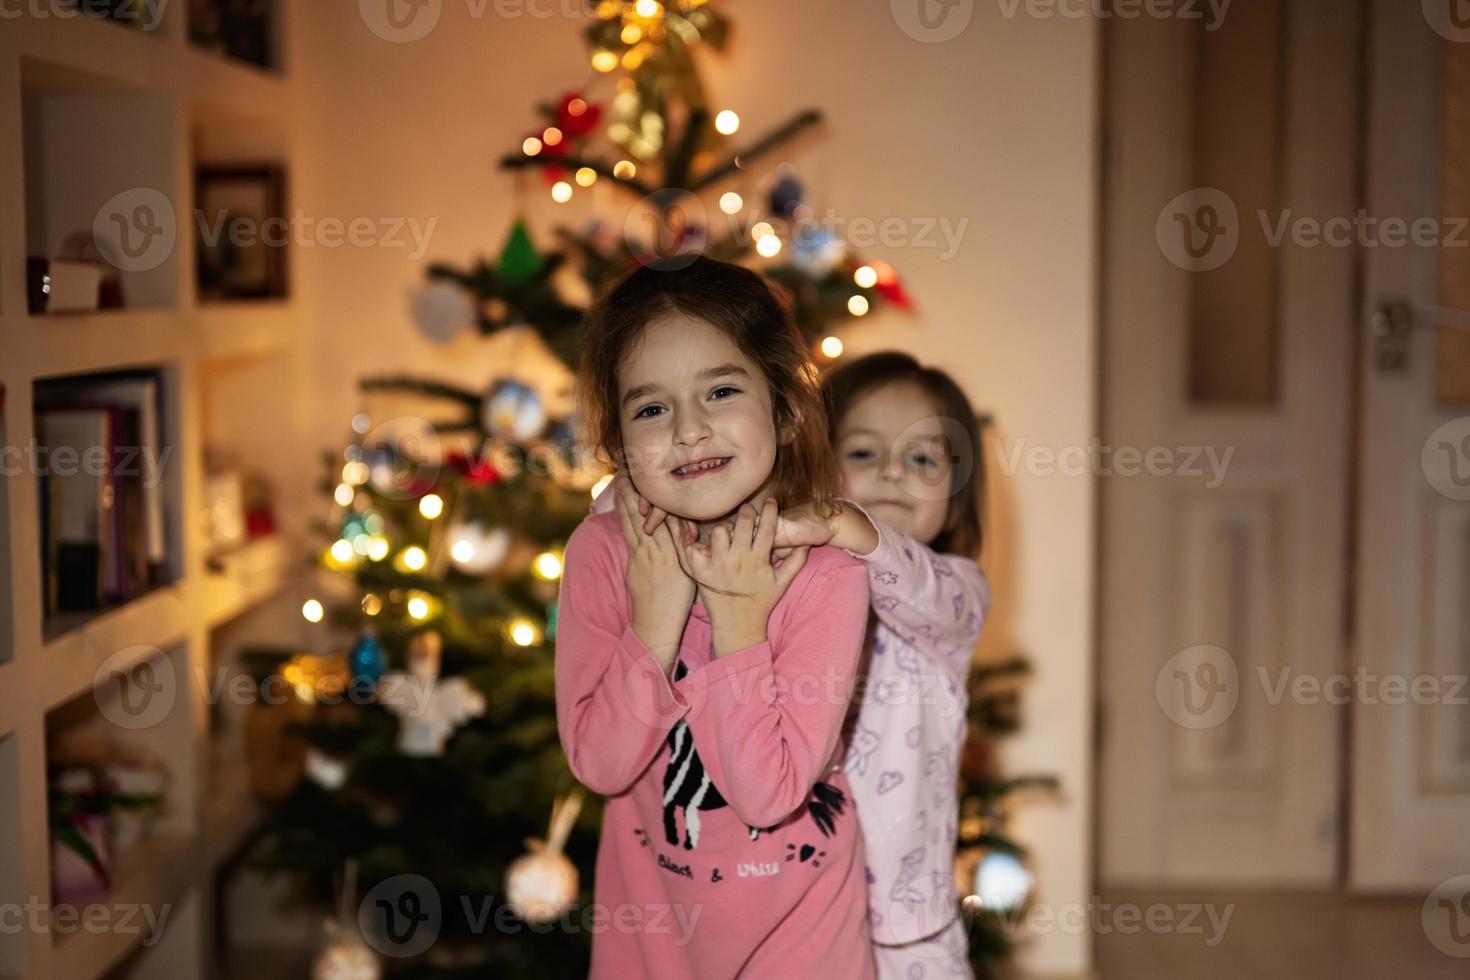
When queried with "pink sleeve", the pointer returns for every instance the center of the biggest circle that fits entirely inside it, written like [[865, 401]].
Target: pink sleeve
[[767, 719], [935, 601], [614, 703]]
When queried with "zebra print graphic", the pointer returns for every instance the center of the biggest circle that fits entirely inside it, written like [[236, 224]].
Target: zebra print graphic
[[687, 786]]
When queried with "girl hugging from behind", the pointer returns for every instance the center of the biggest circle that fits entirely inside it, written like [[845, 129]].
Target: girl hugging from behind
[[701, 682], [908, 444]]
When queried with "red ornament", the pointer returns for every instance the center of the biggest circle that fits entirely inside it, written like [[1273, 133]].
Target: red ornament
[[577, 117], [476, 472]]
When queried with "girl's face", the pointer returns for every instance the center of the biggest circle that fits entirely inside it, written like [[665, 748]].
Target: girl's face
[[895, 459], [687, 395]]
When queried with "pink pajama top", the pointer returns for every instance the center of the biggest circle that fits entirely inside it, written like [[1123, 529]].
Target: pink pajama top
[[904, 742], [729, 845]]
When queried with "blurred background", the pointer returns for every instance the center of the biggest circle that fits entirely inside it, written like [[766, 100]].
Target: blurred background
[[288, 291]]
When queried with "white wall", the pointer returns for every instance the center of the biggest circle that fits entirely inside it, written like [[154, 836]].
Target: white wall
[[996, 126]]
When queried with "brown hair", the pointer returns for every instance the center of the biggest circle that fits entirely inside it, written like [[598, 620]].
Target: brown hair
[[963, 531], [740, 304]]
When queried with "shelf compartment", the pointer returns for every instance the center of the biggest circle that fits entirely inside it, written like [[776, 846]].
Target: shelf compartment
[[107, 492], [101, 179], [135, 722]]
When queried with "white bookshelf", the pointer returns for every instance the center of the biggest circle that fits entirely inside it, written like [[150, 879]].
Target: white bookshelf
[[88, 108]]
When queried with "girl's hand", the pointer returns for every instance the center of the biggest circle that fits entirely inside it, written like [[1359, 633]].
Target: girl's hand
[[652, 516], [736, 581], [661, 590], [799, 526]]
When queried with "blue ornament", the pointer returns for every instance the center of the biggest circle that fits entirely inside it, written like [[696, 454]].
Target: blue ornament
[[786, 194], [816, 250], [367, 661]]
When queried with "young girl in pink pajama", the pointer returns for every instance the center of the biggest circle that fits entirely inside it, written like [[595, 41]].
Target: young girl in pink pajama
[[909, 448], [701, 685]]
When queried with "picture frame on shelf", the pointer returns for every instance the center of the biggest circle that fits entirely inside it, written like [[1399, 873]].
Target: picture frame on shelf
[[241, 232], [240, 29]]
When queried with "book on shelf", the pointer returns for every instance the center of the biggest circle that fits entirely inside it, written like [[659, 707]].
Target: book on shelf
[[102, 506]]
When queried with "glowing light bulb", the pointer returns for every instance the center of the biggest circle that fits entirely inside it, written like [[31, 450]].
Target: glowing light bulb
[[355, 473], [462, 550], [586, 176], [418, 607], [624, 170], [561, 192], [761, 229], [865, 276], [342, 551], [647, 9], [344, 495], [632, 34], [312, 610], [547, 566], [377, 548], [731, 203], [552, 136], [576, 107], [726, 122], [531, 146], [857, 305], [431, 505], [768, 246], [832, 347], [371, 604], [604, 61], [522, 633], [415, 558]]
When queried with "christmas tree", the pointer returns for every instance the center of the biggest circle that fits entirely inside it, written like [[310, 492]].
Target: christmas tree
[[422, 761]]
